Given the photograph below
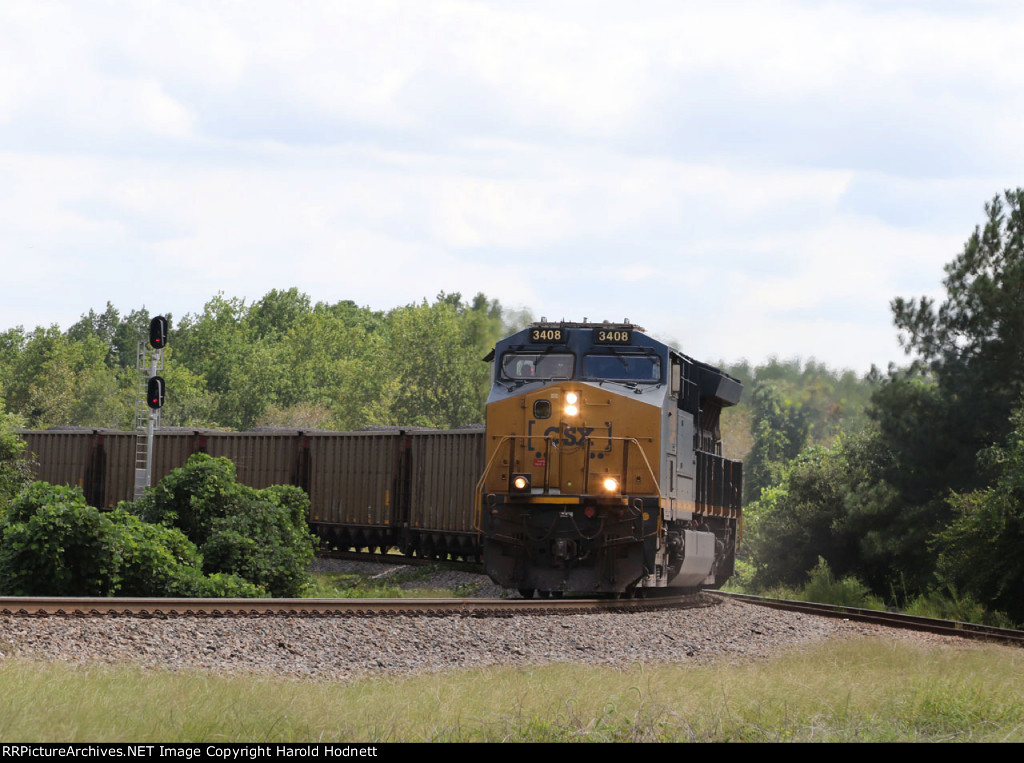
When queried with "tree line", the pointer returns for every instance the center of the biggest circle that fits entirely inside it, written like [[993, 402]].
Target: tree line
[[927, 495], [278, 361]]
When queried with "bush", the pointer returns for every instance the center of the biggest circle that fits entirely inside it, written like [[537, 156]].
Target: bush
[[222, 586], [824, 588], [155, 560], [197, 520], [191, 497], [54, 544], [948, 604], [259, 535], [261, 548], [152, 560]]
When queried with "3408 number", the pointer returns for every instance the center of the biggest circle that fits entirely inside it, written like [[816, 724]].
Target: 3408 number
[[546, 335], [612, 336]]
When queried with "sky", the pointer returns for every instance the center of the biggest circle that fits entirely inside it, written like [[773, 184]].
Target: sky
[[744, 179]]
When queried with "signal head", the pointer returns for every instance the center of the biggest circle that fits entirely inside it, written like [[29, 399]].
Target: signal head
[[158, 332], [155, 392]]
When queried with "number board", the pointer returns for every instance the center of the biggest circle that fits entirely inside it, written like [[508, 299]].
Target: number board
[[547, 335], [613, 336]]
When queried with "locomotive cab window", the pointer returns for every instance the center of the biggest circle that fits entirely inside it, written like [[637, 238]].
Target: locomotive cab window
[[529, 366], [635, 368]]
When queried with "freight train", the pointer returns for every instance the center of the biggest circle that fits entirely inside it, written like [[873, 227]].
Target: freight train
[[600, 469], [604, 464], [384, 488]]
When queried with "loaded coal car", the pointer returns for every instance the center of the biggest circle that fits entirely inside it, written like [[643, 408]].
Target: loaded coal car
[[409, 489], [383, 488], [604, 464]]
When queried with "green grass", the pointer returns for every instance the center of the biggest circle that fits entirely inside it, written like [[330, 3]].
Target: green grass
[[854, 690], [822, 587], [353, 585]]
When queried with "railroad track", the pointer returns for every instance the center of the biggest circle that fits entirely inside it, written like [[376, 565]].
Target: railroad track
[[99, 607], [888, 619], [167, 608]]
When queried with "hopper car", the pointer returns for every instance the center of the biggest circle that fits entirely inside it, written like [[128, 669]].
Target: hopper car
[[385, 488]]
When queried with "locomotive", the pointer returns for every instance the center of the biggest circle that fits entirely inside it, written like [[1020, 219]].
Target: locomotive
[[604, 470]]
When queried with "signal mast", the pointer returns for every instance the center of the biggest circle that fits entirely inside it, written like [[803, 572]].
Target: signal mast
[[150, 361]]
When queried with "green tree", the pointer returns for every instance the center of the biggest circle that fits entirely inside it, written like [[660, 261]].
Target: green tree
[[821, 507], [982, 550], [779, 427], [956, 398], [333, 377], [212, 343], [278, 361], [973, 342], [429, 375], [276, 313], [46, 374], [15, 472], [827, 401]]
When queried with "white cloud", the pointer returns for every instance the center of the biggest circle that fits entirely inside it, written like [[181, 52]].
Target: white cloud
[[754, 178]]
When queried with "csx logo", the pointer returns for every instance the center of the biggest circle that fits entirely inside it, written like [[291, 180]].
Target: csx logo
[[567, 438]]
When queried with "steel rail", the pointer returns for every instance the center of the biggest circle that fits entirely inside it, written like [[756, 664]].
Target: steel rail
[[46, 606], [888, 619]]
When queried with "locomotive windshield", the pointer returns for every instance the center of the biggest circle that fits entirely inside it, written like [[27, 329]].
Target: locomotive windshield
[[526, 366], [636, 368]]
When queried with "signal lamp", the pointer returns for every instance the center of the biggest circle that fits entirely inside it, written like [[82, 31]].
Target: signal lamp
[[589, 512], [155, 392], [158, 333], [520, 483]]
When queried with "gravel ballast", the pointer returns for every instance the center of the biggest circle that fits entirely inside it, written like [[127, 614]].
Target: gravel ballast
[[340, 648]]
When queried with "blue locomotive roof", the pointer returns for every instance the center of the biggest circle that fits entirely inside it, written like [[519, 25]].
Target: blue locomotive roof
[[580, 338]]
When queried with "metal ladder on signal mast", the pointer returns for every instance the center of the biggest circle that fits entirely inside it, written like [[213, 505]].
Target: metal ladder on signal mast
[[148, 362]]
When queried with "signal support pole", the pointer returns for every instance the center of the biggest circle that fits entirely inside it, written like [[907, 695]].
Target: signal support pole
[[147, 408]]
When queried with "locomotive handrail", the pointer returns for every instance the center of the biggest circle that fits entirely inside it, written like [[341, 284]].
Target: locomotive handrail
[[479, 492]]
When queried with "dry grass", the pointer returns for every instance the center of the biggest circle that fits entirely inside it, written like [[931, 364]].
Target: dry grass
[[856, 690]]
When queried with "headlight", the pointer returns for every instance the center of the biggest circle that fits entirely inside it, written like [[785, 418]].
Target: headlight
[[572, 400], [610, 484], [520, 483]]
